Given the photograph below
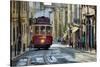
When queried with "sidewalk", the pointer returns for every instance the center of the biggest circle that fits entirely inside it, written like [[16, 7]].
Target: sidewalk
[[85, 56], [14, 57]]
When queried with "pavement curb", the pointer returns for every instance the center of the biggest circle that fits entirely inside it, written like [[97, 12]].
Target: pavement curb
[[87, 51]]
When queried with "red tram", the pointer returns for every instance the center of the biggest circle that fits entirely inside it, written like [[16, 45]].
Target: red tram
[[42, 36]]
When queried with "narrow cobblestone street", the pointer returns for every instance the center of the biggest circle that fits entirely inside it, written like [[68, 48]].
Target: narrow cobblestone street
[[52, 33]]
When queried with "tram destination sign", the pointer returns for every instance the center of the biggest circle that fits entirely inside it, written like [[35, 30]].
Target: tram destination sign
[[42, 20]]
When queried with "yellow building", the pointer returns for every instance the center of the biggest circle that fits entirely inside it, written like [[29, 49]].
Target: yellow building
[[59, 20], [19, 25], [13, 26], [24, 19], [72, 23]]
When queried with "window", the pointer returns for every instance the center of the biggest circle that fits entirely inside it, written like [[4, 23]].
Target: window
[[17, 6], [42, 30], [24, 5], [17, 31], [10, 5], [13, 6], [24, 28], [13, 34], [48, 30]]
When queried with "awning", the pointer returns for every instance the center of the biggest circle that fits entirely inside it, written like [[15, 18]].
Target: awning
[[74, 29], [65, 35]]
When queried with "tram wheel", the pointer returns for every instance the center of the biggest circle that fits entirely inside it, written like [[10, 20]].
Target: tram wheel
[[38, 48], [46, 48]]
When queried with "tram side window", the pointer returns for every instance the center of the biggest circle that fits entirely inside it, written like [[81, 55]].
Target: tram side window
[[48, 30], [42, 30], [37, 30]]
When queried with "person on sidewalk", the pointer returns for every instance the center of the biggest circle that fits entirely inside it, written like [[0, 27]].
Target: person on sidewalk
[[83, 43], [71, 43], [31, 45], [24, 47], [19, 45], [80, 43], [19, 48]]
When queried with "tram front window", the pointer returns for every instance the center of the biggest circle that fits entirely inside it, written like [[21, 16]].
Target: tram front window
[[42, 30], [48, 30]]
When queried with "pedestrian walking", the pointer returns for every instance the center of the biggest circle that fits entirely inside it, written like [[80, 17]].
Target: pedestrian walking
[[76, 43], [19, 48], [24, 47], [80, 44], [71, 43], [83, 42], [19, 44], [31, 45]]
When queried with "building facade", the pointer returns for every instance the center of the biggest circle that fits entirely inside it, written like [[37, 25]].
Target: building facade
[[19, 20], [89, 26]]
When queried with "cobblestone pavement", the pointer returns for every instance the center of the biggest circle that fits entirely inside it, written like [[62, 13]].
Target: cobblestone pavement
[[57, 54]]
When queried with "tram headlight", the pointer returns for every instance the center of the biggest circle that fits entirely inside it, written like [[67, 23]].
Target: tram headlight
[[42, 40]]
